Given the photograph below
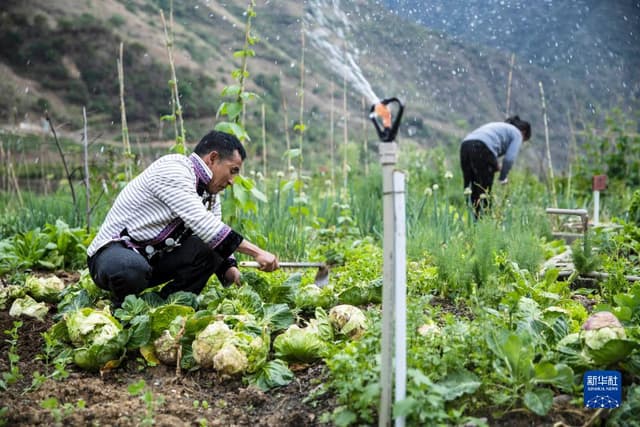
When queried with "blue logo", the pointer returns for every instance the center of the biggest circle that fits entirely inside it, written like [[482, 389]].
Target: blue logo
[[602, 389]]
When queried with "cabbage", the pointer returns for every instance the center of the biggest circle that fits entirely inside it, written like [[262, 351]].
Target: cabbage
[[603, 340], [298, 344], [10, 293], [311, 296], [44, 288], [97, 336], [229, 360], [230, 351], [600, 328], [27, 306], [348, 320], [166, 348], [209, 341], [306, 344], [429, 329]]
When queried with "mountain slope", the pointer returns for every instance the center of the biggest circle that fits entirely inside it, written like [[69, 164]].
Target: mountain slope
[[62, 55], [591, 42]]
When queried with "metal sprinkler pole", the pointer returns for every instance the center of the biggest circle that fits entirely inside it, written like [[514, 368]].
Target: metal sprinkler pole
[[394, 274], [400, 285], [388, 161], [394, 286]]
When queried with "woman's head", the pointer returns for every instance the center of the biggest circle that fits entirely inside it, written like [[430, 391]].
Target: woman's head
[[524, 126]]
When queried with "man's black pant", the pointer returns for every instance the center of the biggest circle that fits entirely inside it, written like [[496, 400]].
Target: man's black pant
[[479, 166], [123, 271]]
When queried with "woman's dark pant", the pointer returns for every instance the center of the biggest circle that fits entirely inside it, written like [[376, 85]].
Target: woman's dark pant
[[123, 271], [479, 166]]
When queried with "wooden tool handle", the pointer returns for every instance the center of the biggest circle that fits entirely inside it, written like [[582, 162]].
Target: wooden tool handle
[[286, 264]]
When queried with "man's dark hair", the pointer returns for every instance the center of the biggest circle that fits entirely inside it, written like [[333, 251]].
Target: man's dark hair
[[524, 126], [224, 143]]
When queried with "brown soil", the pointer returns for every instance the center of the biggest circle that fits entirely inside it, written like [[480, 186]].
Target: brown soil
[[197, 398], [107, 401]]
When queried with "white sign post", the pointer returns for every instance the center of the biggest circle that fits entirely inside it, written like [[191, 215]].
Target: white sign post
[[598, 184]]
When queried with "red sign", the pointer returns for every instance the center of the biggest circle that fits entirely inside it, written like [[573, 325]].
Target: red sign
[[599, 182]]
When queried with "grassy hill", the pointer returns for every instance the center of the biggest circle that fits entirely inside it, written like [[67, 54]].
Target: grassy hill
[[60, 56]]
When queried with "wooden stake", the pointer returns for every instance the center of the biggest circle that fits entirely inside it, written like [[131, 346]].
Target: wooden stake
[[552, 184], [365, 143], [175, 95], [64, 164], [85, 144], [4, 159], [332, 141], [345, 132], [513, 59], [128, 158], [12, 176], [264, 143], [301, 126], [572, 153], [285, 117]]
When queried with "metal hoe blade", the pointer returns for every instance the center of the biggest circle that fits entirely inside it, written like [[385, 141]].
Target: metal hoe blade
[[322, 275]]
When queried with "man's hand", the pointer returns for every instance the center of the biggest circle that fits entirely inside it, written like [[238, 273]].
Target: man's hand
[[232, 275], [267, 261]]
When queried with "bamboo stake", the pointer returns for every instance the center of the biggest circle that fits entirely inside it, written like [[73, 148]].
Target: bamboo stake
[[552, 184], [41, 162], [264, 143], [513, 60], [22, 165], [64, 164], [123, 119], [332, 140], [344, 131], [247, 43], [4, 160], [572, 153], [175, 95], [171, 82], [85, 144], [286, 131], [301, 122], [12, 176], [365, 143]]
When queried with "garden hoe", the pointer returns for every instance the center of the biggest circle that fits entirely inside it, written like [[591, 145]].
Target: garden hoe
[[322, 275]]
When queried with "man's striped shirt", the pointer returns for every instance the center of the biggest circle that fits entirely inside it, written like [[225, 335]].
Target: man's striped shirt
[[160, 199]]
